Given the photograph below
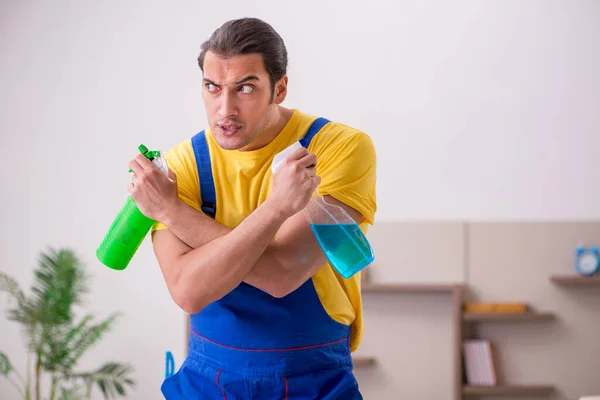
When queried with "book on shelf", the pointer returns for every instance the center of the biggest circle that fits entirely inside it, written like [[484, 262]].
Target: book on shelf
[[479, 362], [500, 308]]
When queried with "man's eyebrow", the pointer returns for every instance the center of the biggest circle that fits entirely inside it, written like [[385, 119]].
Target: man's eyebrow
[[245, 79], [248, 78], [209, 81]]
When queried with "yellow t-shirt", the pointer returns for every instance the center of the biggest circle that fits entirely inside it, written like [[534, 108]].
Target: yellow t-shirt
[[346, 163]]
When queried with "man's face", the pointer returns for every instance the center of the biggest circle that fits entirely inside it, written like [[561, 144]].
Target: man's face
[[237, 98]]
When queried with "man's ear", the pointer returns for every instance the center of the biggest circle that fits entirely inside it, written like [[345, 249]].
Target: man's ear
[[280, 90]]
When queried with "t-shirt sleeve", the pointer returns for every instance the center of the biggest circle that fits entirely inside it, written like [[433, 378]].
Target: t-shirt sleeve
[[348, 172], [182, 162]]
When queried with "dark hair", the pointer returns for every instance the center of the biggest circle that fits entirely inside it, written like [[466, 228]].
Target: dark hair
[[246, 36]]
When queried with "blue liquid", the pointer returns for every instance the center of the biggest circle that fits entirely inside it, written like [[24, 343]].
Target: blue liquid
[[345, 246]]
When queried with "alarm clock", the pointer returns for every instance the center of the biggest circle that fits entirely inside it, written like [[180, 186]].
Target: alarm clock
[[587, 260]]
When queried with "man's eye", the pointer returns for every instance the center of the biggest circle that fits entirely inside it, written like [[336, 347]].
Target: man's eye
[[211, 87], [246, 89]]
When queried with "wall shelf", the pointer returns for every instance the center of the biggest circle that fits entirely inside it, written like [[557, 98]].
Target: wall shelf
[[362, 361], [410, 287], [508, 317], [576, 280], [516, 390]]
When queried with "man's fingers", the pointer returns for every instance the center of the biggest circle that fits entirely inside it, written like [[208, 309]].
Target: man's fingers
[[135, 167], [297, 154], [143, 161], [140, 163], [309, 160], [312, 171]]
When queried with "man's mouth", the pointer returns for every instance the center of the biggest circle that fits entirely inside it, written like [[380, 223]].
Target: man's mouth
[[229, 129]]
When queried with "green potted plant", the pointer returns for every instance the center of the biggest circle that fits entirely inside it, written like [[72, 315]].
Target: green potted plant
[[55, 340]]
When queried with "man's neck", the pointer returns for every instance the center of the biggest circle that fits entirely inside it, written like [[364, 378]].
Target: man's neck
[[279, 119]]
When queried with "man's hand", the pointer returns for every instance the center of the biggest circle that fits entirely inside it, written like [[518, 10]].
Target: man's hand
[[154, 193], [294, 182]]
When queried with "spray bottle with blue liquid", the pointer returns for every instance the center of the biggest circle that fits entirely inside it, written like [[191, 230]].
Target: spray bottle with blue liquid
[[341, 239]]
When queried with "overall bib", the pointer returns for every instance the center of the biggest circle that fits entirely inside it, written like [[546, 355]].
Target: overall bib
[[250, 345]]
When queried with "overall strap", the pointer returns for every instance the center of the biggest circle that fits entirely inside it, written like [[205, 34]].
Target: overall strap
[[205, 176], [313, 130]]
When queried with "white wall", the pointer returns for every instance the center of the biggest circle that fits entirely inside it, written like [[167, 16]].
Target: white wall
[[479, 110]]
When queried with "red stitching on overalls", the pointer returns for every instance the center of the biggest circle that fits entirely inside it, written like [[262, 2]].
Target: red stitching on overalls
[[269, 350], [222, 390], [286, 388]]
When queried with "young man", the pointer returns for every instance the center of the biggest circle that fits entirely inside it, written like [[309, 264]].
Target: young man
[[270, 318]]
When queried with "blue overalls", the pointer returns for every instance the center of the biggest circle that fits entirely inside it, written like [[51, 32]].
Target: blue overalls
[[250, 345]]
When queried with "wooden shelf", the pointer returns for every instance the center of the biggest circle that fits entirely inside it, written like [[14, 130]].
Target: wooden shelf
[[576, 280], [459, 390], [409, 288], [514, 317], [517, 390], [360, 362]]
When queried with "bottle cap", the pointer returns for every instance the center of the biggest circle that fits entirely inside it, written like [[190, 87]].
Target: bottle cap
[[151, 155]]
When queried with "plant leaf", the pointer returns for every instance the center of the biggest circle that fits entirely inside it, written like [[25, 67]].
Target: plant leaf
[[11, 286], [20, 312], [111, 378], [53, 349], [77, 392], [5, 365], [59, 284], [66, 344], [83, 337]]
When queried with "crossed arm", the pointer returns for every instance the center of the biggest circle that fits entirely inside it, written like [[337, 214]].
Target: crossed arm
[[202, 260], [272, 249]]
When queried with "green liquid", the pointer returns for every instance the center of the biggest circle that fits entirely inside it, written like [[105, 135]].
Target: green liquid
[[345, 246], [125, 235]]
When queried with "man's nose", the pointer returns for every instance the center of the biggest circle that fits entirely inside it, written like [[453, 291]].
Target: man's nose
[[228, 106]]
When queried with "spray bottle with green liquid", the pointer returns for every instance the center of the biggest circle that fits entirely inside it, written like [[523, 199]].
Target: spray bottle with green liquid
[[130, 227], [341, 239]]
